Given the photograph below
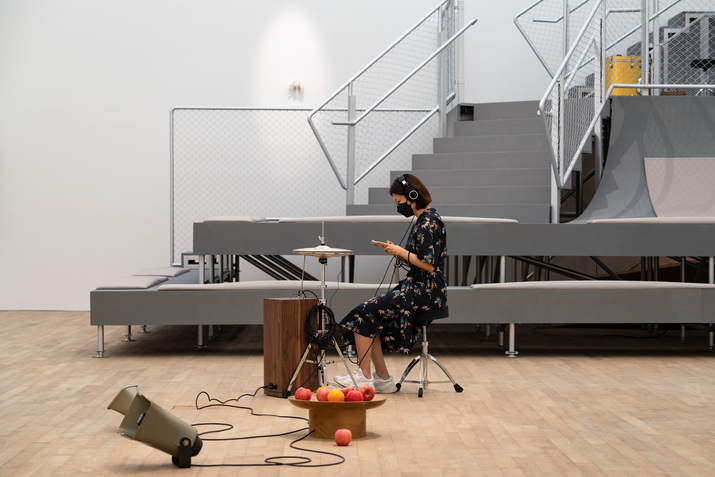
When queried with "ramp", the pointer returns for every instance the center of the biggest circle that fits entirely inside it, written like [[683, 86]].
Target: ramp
[[653, 127]]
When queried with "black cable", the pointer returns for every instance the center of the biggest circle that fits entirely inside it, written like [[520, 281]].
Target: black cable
[[311, 292], [295, 460], [316, 333]]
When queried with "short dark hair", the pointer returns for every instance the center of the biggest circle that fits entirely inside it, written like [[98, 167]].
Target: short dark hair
[[424, 198]]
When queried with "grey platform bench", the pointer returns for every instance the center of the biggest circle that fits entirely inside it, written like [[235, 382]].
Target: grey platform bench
[[597, 302], [183, 301]]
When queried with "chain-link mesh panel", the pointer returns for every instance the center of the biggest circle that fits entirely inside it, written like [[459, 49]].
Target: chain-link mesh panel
[[265, 163], [401, 110], [543, 23], [571, 103], [684, 33], [246, 162], [687, 45]]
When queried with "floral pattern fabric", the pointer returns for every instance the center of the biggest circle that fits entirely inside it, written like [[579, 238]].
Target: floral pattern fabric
[[390, 315]]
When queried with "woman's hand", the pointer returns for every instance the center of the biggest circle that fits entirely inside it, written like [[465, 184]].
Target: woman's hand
[[390, 248], [401, 254]]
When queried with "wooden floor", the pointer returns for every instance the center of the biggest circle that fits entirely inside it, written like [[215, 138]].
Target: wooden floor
[[577, 401]]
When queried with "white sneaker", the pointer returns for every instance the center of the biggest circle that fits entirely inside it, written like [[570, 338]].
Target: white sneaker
[[360, 380], [384, 385]]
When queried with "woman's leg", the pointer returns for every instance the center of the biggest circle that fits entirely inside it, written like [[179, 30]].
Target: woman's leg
[[368, 352], [364, 352], [379, 360]]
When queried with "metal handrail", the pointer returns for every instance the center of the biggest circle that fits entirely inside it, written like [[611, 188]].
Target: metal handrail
[[404, 80], [557, 162], [609, 93], [568, 56], [402, 139], [561, 18], [544, 63], [349, 84], [377, 58]]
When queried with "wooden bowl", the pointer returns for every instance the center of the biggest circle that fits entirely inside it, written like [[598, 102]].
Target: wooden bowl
[[326, 417]]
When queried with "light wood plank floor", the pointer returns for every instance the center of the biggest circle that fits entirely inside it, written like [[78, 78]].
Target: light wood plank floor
[[578, 401]]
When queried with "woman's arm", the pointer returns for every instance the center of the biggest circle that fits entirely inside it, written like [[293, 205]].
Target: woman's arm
[[404, 255]]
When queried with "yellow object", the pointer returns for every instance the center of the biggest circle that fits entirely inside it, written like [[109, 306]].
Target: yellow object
[[336, 395], [623, 69]]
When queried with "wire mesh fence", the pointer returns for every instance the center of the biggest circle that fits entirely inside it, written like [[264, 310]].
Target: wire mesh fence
[[267, 162], [399, 106], [258, 163], [608, 49], [549, 26], [246, 162]]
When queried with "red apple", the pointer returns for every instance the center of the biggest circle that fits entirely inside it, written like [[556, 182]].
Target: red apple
[[343, 437], [354, 396], [322, 394], [347, 390], [367, 392], [303, 394]]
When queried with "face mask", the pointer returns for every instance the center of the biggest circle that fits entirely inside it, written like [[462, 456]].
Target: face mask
[[405, 209]]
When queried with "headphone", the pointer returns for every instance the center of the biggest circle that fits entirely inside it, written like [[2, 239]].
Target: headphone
[[410, 192]]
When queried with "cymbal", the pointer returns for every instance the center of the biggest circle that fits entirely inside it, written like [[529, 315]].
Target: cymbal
[[323, 251]]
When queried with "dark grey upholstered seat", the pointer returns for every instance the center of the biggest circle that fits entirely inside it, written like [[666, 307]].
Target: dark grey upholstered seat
[[423, 319]]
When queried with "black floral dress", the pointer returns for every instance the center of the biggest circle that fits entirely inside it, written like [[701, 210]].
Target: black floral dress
[[390, 315]]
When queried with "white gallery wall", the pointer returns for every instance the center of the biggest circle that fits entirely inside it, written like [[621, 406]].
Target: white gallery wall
[[86, 88]]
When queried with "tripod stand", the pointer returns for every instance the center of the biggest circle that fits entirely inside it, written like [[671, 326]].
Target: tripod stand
[[322, 336]]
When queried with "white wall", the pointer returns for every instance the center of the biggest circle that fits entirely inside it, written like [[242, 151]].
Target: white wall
[[86, 88]]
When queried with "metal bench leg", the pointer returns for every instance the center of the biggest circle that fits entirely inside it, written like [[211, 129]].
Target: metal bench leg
[[211, 333], [143, 329], [511, 353], [100, 342], [200, 344], [128, 335]]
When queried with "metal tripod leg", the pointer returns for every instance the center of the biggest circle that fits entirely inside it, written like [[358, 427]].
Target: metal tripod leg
[[321, 364], [286, 393]]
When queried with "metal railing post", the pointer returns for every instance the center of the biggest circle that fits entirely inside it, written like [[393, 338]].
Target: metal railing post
[[459, 57], [352, 102], [656, 48], [599, 91], [442, 77], [645, 17], [555, 189]]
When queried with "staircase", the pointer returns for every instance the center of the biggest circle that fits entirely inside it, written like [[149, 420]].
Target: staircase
[[496, 165]]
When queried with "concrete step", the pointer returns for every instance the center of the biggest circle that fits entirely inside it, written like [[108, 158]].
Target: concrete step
[[481, 177], [506, 110], [481, 160], [487, 127], [492, 143], [524, 213], [474, 195]]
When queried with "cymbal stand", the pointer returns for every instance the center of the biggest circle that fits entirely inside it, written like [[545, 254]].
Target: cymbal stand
[[321, 344]]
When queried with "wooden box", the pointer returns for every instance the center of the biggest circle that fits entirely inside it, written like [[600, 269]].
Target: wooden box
[[284, 342]]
